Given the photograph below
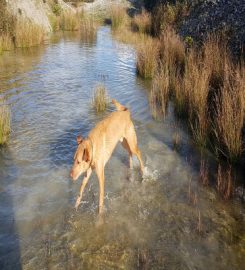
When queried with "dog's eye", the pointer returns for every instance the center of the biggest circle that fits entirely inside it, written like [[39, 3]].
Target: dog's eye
[[78, 162]]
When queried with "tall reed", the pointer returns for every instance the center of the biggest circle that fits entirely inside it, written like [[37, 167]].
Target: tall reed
[[5, 123], [118, 15], [159, 95], [147, 57], [70, 21], [6, 42], [88, 30], [229, 119], [196, 86], [28, 34], [100, 98], [172, 53]]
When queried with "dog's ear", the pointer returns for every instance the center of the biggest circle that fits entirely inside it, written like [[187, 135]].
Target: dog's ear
[[86, 155], [79, 139]]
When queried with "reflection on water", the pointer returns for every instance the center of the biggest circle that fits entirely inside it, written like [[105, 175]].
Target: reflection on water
[[149, 223]]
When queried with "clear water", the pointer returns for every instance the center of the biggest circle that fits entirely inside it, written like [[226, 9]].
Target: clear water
[[149, 223]]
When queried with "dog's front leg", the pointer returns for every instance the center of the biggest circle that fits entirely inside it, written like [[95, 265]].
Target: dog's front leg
[[101, 177], [84, 183]]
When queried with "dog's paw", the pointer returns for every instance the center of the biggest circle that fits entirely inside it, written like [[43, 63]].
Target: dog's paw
[[78, 202]]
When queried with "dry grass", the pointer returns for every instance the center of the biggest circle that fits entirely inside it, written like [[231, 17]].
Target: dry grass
[[5, 123], [207, 87], [224, 182], [117, 15], [88, 30], [159, 95], [54, 22], [172, 53], [147, 58], [28, 34], [100, 98], [6, 43], [196, 89], [70, 21], [142, 22], [230, 114]]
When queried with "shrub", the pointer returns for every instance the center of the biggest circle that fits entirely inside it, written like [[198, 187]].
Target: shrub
[[166, 15], [56, 8], [100, 98]]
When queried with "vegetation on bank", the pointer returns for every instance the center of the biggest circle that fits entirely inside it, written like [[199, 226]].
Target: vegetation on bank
[[17, 31], [205, 84]]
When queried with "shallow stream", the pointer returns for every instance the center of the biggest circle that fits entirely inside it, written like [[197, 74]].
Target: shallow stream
[[149, 223]]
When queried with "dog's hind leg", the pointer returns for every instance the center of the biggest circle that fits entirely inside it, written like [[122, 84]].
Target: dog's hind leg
[[84, 183], [126, 146], [131, 139]]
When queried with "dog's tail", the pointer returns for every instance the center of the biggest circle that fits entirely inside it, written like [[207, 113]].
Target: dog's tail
[[119, 106]]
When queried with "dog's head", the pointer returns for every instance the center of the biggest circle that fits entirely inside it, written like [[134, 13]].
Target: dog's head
[[81, 158]]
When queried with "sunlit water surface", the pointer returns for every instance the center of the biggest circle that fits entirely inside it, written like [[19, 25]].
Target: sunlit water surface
[[149, 222]]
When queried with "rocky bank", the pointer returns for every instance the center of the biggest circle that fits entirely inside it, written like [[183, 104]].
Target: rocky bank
[[37, 11]]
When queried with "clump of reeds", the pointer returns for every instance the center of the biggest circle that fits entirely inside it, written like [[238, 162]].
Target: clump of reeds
[[224, 183], [117, 15], [28, 34], [100, 98], [172, 54], [54, 22], [88, 29], [229, 118], [6, 43], [142, 22], [7, 26], [159, 95], [5, 123], [70, 21], [147, 58], [196, 88]]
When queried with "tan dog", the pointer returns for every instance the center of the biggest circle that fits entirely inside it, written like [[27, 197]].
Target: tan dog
[[94, 151]]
